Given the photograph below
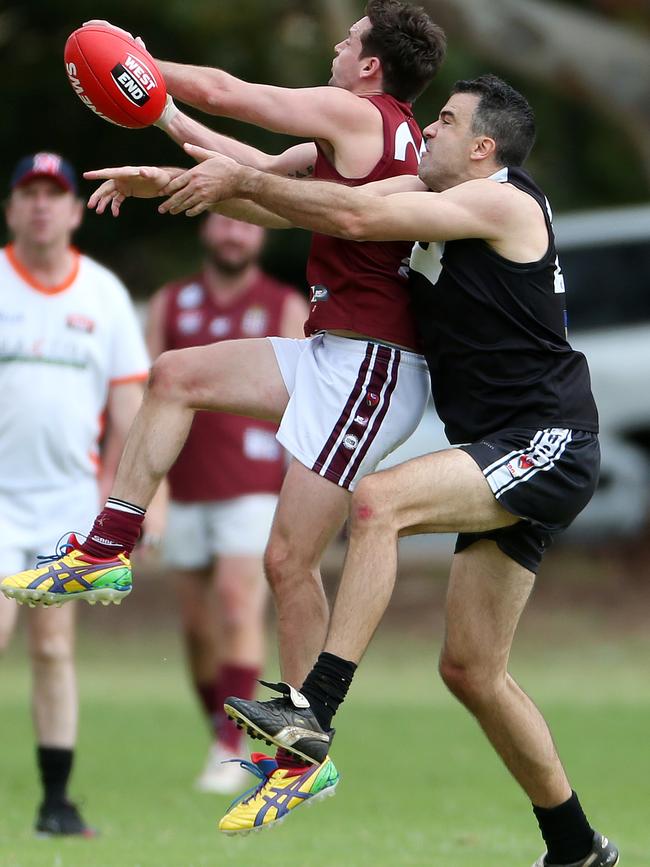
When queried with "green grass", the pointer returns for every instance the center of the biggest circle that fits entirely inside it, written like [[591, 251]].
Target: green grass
[[419, 784]]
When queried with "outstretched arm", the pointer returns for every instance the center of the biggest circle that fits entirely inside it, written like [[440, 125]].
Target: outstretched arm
[[148, 182], [476, 209], [296, 161], [309, 112]]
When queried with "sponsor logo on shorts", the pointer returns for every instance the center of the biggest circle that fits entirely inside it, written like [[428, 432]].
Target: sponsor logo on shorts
[[520, 466], [134, 79], [372, 398], [350, 441], [361, 420], [319, 293]]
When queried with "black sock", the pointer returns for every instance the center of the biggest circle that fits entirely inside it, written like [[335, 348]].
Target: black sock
[[55, 765], [566, 831], [326, 686]]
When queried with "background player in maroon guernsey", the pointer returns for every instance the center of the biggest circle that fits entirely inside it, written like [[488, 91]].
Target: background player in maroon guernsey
[[357, 386], [225, 482]]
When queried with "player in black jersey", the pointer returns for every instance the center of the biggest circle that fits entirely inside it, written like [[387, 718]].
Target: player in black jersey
[[515, 396], [506, 381]]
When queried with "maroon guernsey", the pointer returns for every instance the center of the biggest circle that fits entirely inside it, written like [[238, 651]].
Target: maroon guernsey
[[361, 286], [225, 456]]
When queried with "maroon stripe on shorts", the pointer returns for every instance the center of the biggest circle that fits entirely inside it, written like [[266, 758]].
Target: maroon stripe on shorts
[[343, 457], [352, 399], [376, 423]]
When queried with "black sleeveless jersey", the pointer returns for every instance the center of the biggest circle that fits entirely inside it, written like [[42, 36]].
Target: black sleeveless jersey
[[494, 335]]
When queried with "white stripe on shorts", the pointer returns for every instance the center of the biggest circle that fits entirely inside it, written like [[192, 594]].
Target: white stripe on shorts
[[545, 449]]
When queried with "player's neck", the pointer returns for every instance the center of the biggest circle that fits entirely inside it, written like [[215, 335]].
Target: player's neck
[[50, 264], [225, 286]]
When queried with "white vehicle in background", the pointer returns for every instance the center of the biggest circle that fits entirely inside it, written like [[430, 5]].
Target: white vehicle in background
[[605, 258]]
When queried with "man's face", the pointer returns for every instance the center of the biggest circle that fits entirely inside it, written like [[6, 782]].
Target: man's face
[[347, 65], [42, 213], [231, 245], [449, 142]]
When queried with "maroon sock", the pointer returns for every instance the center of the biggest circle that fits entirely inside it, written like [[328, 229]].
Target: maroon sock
[[116, 529], [236, 680], [292, 763], [207, 693]]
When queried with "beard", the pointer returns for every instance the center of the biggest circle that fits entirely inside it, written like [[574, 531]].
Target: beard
[[229, 267]]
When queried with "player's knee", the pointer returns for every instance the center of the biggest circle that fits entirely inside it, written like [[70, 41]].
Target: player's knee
[[370, 508], [469, 683], [166, 376], [284, 565], [52, 650]]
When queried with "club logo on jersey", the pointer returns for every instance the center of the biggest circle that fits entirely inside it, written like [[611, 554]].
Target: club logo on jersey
[[134, 79], [372, 398], [190, 296], [79, 322], [319, 293], [350, 442], [220, 326], [254, 322], [190, 321]]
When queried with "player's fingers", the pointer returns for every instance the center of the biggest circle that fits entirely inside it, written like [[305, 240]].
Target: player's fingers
[[106, 187], [175, 204], [197, 209], [118, 198], [177, 184], [110, 173], [139, 41], [198, 153]]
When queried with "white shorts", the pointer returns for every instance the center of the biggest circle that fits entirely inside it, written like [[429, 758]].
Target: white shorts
[[32, 522], [351, 403], [199, 532]]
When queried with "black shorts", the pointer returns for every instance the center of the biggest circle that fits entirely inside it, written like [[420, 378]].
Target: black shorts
[[545, 477]]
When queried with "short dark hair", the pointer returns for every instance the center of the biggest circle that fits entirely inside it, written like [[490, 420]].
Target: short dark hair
[[503, 114], [409, 45]]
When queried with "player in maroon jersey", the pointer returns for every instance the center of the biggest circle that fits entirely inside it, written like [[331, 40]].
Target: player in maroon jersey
[[357, 386], [225, 481]]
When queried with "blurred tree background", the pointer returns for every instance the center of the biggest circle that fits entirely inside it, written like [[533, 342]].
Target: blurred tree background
[[580, 62]]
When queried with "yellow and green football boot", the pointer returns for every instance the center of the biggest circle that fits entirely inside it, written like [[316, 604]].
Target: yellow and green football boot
[[70, 574], [277, 794]]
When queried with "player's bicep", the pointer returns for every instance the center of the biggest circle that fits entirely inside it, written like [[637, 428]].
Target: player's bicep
[[309, 112], [434, 217], [296, 162]]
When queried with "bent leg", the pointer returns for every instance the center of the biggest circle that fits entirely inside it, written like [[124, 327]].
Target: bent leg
[[487, 594], [310, 512], [437, 493], [240, 376]]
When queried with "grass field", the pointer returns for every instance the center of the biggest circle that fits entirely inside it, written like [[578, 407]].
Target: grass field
[[419, 785]]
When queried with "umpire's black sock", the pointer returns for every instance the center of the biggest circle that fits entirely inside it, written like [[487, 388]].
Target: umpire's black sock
[[55, 765], [327, 685], [566, 831]]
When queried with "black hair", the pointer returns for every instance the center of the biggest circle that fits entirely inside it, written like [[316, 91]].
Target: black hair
[[503, 114]]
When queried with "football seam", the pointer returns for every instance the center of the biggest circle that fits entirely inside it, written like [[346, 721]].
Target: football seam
[[90, 69]]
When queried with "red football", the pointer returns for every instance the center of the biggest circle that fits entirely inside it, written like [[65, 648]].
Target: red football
[[114, 77]]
